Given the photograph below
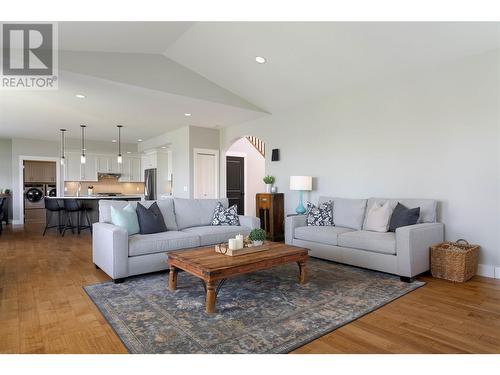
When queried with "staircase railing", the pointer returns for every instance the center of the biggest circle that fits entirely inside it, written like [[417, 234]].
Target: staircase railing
[[258, 144]]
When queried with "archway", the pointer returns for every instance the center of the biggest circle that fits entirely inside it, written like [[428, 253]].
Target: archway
[[245, 168]]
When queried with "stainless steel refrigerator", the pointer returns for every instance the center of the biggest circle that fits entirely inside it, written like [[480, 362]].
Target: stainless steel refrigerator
[[150, 184]]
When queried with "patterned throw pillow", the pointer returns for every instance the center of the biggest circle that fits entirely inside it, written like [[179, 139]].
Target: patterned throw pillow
[[225, 216], [320, 216]]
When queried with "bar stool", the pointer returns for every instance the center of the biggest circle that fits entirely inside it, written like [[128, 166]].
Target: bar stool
[[72, 206], [52, 208]]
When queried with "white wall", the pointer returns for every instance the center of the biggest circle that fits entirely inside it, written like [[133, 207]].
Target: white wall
[[255, 167], [5, 164], [6, 169], [430, 135]]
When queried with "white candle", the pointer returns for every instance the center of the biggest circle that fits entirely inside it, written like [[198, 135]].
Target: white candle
[[233, 244], [239, 238]]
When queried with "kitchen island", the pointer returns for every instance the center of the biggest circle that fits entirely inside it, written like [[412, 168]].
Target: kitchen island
[[91, 202]]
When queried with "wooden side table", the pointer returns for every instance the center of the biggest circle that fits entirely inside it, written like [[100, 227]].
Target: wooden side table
[[270, 209]]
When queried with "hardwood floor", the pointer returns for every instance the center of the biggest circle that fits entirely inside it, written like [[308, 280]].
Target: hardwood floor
[[44, 309]]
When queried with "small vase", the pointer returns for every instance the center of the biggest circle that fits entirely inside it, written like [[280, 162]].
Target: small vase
[[257, 243], [269, 188]]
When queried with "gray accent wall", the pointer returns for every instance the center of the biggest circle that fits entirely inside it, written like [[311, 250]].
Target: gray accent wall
[[434, 134]]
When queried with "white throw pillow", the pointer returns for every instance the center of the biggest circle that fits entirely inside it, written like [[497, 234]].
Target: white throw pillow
[[378, 217]]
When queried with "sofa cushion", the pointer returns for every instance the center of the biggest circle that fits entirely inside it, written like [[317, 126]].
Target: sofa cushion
[[403, 216], [150, 219], [214, 234], [428, 207], [126, 218], [378, 217], [384, 243], [347, 213], [167, 210], [195, 212], [166, 207], [225, 216], [322, 234], [142, 244], [321, 215]]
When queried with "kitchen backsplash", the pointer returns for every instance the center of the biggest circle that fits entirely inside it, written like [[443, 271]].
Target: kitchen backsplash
[[105, 186]]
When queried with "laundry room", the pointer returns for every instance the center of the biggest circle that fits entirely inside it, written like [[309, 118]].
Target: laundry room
[[39, 180]]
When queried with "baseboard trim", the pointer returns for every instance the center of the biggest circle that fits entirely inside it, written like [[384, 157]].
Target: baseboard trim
[[488, 270]]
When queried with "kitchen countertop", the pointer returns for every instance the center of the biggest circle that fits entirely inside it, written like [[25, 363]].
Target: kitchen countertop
[[96, 197]]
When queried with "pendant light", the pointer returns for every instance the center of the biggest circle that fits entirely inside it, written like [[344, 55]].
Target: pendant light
[[83, 159], [119, 159], [63, 158]]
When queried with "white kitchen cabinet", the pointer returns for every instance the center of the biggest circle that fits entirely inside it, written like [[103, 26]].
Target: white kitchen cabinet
[[75, 171], [88, 171], [131, 169], [135, 170], [72, 166], [108, 164]]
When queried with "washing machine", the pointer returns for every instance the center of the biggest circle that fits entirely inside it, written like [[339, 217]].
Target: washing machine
[[50, 190], [33, 196]]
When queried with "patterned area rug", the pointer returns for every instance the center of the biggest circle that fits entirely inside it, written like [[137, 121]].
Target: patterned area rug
[[263, 312]]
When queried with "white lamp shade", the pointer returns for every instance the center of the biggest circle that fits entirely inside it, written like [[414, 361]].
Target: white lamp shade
[[303, 183]]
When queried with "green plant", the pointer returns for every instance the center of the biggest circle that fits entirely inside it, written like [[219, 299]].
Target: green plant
[[268, 179], [257, 235]]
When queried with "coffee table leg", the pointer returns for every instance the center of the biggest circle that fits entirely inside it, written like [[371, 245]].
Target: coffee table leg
[[302, 272], [172, 278], [211, 296]]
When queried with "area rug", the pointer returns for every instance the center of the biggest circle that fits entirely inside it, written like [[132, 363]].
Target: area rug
[[263, 312]]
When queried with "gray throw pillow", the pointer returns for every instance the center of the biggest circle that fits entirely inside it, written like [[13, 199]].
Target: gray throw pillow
[[150, 219], [403, 216]]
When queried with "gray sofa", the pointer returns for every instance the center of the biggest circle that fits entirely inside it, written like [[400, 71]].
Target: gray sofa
[[188, 225], [404, 253]]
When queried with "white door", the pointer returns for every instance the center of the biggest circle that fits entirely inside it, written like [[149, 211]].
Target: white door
[[205, 174]]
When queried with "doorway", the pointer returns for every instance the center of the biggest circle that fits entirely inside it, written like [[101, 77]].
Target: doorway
[[235, 182], [244, 179]]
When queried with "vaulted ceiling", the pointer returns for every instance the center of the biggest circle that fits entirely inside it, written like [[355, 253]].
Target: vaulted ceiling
[[147, 75]]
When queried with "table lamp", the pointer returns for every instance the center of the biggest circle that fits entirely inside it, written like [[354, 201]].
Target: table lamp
[[300, 183]]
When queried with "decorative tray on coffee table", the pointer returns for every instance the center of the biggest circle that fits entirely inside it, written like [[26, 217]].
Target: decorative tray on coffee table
[[223, 248]]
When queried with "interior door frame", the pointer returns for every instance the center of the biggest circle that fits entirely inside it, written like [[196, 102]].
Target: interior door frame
[[20, 192], [243, 155], [207, 151]]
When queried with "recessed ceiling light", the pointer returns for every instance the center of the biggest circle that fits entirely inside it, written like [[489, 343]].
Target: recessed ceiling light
[[114, 140], [139, 140], [129, 152], [80, 96], [260, 59], [187, 114], [163, 146]]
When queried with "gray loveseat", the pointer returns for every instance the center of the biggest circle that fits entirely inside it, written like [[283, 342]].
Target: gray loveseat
[[188, 225], [404, 253]]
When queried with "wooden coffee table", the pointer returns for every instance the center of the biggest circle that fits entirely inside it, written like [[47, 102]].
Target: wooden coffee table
[[214, 268]]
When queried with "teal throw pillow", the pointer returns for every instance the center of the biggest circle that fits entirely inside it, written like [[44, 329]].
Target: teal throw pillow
[[125, 218]]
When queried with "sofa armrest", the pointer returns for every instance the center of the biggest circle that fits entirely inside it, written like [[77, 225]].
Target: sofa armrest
[[251, 222], [292, 222], [412, 247], [110, 249]]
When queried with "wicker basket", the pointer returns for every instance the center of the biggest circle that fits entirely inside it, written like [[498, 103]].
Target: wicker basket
[[454, 261]]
